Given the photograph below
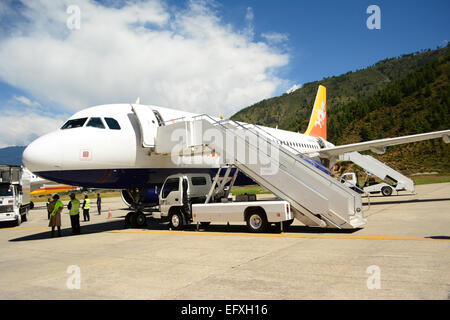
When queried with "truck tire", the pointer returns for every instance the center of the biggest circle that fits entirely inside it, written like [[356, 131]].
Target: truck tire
[[140, 219], [256, 221], [176, 220], [18, 220], [386, 191], [31, 205]]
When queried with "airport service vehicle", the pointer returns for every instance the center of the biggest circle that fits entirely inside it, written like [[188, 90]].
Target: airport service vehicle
[[194, 198], [370, 185], [14, 194], [130, 147]]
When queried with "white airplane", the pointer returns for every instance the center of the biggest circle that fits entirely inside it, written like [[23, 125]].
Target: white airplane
[[101, 147]]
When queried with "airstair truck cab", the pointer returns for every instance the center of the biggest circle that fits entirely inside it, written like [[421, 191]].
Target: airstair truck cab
[[186, 198], [14, 194]]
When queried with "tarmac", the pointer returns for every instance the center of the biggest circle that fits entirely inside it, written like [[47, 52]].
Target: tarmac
[[402, 253]]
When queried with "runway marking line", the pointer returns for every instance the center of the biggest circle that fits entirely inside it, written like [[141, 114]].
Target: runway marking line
[[283, 235]]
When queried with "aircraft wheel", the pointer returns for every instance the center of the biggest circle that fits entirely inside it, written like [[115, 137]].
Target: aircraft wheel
[[386, 191], [128, 218], [140, 219]]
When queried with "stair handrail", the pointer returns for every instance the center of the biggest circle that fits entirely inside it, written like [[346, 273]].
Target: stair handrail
[[295, 156]]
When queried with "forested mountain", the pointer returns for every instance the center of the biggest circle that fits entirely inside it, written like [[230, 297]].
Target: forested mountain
[[399, 96]]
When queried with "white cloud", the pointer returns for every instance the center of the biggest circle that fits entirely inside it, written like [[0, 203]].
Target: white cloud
[[275, 37], [19, 128], [249, 15], [26, 101], [293, 88], [184, 59]]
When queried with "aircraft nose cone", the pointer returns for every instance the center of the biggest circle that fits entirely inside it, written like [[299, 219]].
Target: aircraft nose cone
[[43, 154]]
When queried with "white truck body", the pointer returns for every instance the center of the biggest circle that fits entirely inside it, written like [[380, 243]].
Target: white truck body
[[276, 211], [14, 194], [182, 199]]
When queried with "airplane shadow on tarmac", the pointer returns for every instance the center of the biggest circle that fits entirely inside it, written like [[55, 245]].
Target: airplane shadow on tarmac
[[156, 225]]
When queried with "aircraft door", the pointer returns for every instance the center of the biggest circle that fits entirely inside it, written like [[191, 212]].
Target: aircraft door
[[148, 125]]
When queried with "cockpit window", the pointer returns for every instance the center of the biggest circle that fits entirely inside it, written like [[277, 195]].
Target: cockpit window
[[74, 123], [96, 123], [112, 123]]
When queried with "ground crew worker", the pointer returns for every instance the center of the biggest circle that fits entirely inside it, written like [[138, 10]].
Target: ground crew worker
[[55, 217], [86, 207], [99, 203], [74, 212], [49, 207]]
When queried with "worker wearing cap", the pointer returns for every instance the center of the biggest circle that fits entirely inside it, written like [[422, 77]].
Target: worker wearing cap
[[74, 212], [86, 207], [55, 216]]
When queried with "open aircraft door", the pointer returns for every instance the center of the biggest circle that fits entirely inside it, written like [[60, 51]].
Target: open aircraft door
[[147, 123]]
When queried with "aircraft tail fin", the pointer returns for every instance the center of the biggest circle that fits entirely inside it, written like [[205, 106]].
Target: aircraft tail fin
[[318, 123]]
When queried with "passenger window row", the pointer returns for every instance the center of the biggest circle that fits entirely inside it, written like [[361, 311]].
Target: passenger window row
[[298, 144]]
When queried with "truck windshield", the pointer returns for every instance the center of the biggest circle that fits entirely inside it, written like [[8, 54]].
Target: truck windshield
[[5, 190], [171, 185]]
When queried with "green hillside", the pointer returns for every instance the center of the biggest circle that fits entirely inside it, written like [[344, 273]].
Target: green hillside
[[395, 97]]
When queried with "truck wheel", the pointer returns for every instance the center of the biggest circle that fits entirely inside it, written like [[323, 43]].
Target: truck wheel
[[176, 221], [19, 220], [386, 191], [256, 221], [140, 219], [31, 205]]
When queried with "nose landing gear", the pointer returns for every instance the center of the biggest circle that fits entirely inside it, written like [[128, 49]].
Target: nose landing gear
[[137, 218]]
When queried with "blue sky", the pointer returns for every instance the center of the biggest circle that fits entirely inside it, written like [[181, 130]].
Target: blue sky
[[328, 38], [200, 56]]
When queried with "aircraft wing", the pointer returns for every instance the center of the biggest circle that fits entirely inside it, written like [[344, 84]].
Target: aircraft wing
[[379, 146]]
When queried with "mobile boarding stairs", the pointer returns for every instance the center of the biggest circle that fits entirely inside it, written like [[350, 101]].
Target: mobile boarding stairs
[[380, 170], [317, 199]]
